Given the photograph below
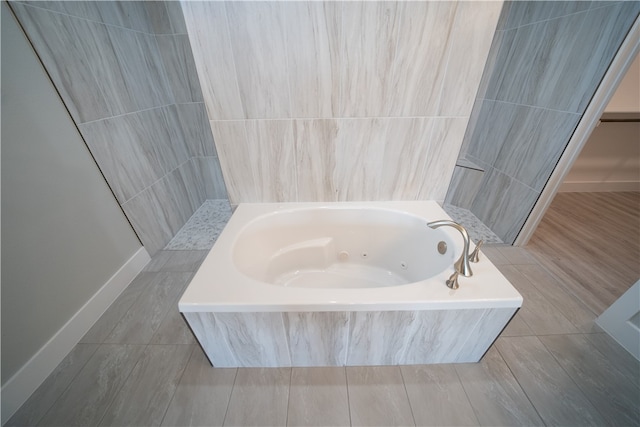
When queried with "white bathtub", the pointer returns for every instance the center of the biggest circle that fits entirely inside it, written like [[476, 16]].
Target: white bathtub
[[316, 284]]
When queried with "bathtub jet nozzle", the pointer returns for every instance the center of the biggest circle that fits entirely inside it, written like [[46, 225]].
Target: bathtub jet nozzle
[[462, 265]]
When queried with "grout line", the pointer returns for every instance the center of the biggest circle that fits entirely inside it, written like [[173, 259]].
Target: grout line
[[346, 379], [337, 118], [155, 182], [289, 395], [475, 413], [235, 377], [404, 384], [530, 106], [126, 114], [178, 383], [518, 381]]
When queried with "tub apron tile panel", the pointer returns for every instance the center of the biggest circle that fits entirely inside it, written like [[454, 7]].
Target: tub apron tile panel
[[256, 339], [211, 339], [317, 338]]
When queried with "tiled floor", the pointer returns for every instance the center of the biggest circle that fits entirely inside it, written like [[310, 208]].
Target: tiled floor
[[139, 365]]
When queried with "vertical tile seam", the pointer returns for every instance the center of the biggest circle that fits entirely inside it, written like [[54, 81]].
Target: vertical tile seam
[[406, 392], [466, 394], [226, 411], [175, 389], [423, 177], [451, 43], [155, 182]]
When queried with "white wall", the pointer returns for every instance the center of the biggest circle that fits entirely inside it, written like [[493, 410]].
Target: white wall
[[63, 235], [610, 160]]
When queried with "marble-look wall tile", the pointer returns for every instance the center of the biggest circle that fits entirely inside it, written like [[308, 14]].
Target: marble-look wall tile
[[209, 335], [159, 21], [444, 146], [524, 13], [503, 204], [168, 203], [80, 9], [532, 158], [145, 82], [209, 37], [210, 174], [258, 37], [378, 338], [62, 44], [180, 68], [406, 152], [317, 338], [257, 339], [174, 11], [196, 129], [470, 42], [586, 43], [232, 147], [414, 84], [271, 156], [463, 187], [126, 14], [313, 55], [135, 150], [369, 40], [316, 159]]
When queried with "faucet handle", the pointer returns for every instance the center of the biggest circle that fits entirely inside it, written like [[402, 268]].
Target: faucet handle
[[475, 255]]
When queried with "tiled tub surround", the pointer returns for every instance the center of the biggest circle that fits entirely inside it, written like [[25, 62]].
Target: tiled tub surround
[[546, 61], [243, 314], [339, 101], [126, 73]]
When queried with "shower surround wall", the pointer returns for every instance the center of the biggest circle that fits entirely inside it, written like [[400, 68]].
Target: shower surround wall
[[126, 73], [546, 62], [339, 101]]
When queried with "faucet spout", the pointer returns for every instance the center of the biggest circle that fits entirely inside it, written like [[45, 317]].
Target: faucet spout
[[462, 265]]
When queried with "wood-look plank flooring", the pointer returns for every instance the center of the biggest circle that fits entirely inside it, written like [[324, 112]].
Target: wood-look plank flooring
[[550, 366], [591, 243]]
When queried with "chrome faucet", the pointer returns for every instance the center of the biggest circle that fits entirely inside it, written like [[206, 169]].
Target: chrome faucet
[[462, 265]]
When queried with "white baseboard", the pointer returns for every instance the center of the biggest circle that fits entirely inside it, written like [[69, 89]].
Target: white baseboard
[[21, 385], [595, 187]]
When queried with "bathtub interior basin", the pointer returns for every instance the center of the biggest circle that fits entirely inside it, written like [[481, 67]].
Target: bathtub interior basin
[[341, 248]]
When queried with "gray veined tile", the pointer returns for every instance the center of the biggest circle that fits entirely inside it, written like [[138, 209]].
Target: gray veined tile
[[413, 83], [196, 129], [50, 390], [87, 398], [209, 38], [315, 155], [441, 157], [174, 11], [526, 12], [272, 152], [369, 39], [159, 22], [184, 260], [377, 397], [318, 397], [495, 394], [180, 68], [174, 329], [614, 394], [112, 316], [144, 317], [540, 314], [406, 152], [556, 397], [437, 396], [211, 173], [258, 40], [616, 355], [145, 396], [139, 60], [203, 228], [234, 151], [80, 9], [127, 14], [375, 337], [472, 34], [62, 42], [517, 327], [516, 255], [259, 397], [314, 57], [202, 395], [317, 338], [255, 339]]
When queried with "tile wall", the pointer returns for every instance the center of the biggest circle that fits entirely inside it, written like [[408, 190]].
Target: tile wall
[[545, 64], [339, 101], [126, 73]]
